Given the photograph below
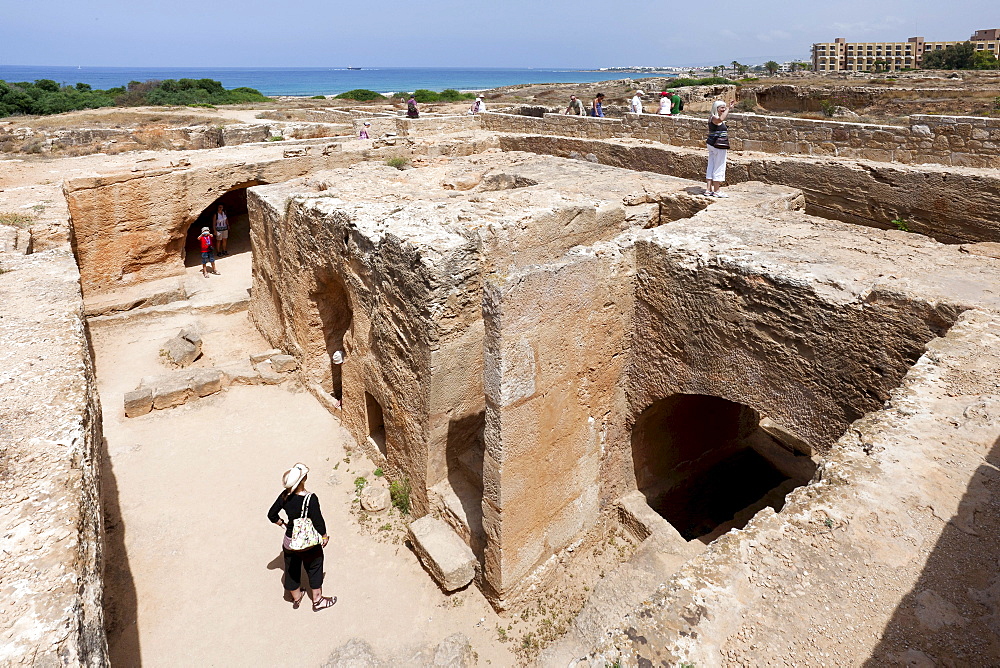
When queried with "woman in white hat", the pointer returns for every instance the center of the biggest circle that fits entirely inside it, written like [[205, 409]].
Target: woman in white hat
[[301, 506]]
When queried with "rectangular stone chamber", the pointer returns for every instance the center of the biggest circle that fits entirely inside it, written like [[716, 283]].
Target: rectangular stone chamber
[[509, 323]]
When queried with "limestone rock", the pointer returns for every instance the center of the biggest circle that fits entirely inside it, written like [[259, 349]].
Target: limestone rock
[[443, 553], [985, 248], [284, 363], [171, 391], [268, 375], [180, 351], [455, 651], [138, 402], [240, 373], [355, 653], [206, 381], [191, 335], [375, 498], [264, 356]]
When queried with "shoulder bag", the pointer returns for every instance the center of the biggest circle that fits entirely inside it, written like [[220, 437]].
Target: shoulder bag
[[304, 534]]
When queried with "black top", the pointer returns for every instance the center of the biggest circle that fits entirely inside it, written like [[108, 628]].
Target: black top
[[712, 127], [292, 505]]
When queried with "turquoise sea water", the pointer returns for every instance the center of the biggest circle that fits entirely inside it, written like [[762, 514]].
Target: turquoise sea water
[[313, 80]]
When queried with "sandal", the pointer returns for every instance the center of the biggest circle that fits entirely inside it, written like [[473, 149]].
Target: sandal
[[323, 603], [296, 603]]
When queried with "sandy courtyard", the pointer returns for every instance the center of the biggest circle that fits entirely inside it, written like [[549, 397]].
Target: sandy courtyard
[[193, 565]]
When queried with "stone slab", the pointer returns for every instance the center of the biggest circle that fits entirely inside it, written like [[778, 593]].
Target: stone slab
[[138, 402], [284, 363], [171, 391], [449, 560]]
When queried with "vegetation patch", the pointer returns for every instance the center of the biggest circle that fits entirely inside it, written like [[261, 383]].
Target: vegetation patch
[[45, 96], [361, 95], [14, 219]]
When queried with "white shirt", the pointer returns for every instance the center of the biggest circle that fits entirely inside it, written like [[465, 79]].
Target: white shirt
[[636, 105], [665, 106]]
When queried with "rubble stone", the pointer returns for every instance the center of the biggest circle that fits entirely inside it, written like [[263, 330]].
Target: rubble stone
[[138, 402], [284, 363], [263, 356], [180, 351], [206, 381], [171, 391], [375, 498]]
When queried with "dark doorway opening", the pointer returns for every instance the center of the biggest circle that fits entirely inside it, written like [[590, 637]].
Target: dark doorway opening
[[376, 423], [234, 203], [464, 452], [334, 308], [705, 465]]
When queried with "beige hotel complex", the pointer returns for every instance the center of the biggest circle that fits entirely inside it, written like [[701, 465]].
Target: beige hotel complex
[[841, 55]]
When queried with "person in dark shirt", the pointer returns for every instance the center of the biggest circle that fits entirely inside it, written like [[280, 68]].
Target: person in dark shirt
[[293, 499]]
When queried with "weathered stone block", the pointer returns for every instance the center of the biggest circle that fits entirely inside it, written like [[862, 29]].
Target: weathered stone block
[[206, 381], [284, 363], [138, 402], [191, 335], [449, 560], [171, 391], [180, 351], [266, 355], [240, 373], [268, 375], [375, 498]]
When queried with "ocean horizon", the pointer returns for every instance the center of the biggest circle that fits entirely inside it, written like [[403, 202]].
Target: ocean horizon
[[304, 81]]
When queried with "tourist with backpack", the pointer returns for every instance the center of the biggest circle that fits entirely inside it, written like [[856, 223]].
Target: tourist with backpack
[[207, 244], [676, 103], [411, 108]]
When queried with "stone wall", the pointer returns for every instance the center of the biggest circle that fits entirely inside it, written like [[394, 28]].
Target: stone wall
[[949, 205], [969, 141], [51, 533], [552, 370]]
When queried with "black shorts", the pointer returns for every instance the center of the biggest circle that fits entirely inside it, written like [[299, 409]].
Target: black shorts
[[311, 559]]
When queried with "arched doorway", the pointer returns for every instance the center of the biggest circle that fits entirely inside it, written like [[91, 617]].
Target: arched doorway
[[333, 306], [705, 465], [234, 202]]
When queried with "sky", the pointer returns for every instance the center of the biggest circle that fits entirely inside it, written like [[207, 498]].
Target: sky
[[460, 33]]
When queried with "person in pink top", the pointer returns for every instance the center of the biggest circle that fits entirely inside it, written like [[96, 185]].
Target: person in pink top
[[364, 131]]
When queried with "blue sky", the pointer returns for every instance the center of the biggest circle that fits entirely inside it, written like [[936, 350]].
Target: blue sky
[[457, 33]]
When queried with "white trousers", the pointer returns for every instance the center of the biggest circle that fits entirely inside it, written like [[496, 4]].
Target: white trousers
[[716, 164]]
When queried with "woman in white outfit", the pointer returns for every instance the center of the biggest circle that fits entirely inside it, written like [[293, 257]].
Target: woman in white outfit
[[718, 144], [665, 103]]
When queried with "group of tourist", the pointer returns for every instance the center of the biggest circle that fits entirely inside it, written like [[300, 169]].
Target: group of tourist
[[671, 104], [211, 244]]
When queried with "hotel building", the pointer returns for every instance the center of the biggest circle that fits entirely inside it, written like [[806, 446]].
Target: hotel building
[[841, 55]]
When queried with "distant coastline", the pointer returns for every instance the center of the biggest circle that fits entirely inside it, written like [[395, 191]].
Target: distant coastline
[[307, 81]]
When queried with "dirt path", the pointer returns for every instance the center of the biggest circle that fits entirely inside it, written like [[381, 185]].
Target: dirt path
[[194, 567]]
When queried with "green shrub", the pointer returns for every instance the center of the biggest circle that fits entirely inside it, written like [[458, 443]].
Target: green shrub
[[399, 492], [452, 95], [318, 97], [901, 224], [276, 138], [423, 95], [397, 162], [360, 95], [707, 81], [359, 484]]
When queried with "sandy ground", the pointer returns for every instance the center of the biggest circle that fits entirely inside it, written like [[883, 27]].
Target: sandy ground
[[194, 567]]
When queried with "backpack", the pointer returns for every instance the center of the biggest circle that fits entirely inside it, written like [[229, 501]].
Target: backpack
[[680, 107], [206, 243]]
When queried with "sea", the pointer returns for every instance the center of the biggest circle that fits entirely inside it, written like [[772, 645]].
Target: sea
[[316, 80]]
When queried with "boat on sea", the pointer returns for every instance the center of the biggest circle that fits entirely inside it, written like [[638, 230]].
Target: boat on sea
[[354, 68]]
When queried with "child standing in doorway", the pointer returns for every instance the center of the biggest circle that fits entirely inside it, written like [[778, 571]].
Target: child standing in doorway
[[207, 243]]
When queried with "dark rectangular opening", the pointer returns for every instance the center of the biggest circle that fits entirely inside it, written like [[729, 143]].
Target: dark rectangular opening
[[376, 422]]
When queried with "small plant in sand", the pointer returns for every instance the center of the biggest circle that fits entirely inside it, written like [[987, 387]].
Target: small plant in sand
[[276, 138], [359, 484], [399, 492], [901, 224], [397, 162], [378, 473]]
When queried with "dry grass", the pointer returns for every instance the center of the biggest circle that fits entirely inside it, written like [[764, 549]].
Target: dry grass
[[15, 219], [117, 118]]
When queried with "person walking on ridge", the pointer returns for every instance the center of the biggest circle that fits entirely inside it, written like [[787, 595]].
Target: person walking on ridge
[[635, 106], [664, 104], [597, 110], [575, 107], [718, 145], [301, 506], [411, 108], [676, 104]]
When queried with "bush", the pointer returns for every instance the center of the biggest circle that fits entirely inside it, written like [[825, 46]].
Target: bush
[[15, 219], [398, 163], [423, 95], [707, 81], [399, 492], [361, 95], [318, 97], [47, 97]]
